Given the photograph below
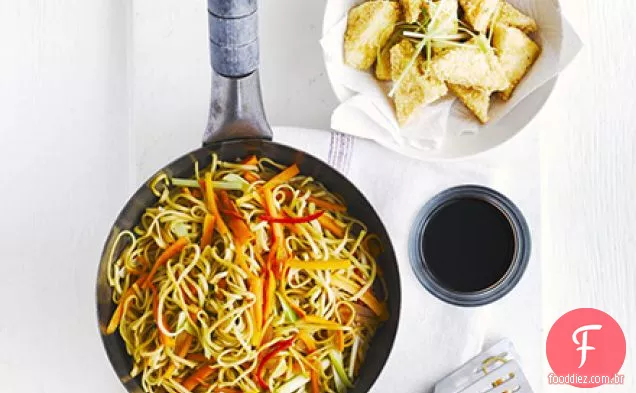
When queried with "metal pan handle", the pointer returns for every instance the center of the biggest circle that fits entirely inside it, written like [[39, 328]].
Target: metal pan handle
[[236, 108]]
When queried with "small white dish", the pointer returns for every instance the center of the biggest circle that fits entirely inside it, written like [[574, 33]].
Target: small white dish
[[456, 143]]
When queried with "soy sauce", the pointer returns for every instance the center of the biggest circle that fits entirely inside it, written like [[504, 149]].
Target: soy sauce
[[468, 245]]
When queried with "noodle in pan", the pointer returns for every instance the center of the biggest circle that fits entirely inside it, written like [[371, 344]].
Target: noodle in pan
[[248, 277]]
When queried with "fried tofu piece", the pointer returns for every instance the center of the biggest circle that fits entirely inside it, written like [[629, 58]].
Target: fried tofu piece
[[369, 26], [516, 53], [412, 9], [479, 13], [471, 67], [417, 87], [510, 16], [478, 101], [383, 64]]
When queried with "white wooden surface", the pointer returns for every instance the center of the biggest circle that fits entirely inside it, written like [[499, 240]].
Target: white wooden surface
[[69, 89]]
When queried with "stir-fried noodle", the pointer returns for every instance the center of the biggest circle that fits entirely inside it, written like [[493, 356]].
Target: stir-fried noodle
[[248, 277]]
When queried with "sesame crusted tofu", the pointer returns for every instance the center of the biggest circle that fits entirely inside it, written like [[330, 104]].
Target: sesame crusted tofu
[[516, 53], [412, 9], [479, 13], [471, 66], [510, 16], [478, 101], [417, 87], [369, 26]]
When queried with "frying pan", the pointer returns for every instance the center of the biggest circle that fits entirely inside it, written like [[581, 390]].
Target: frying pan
[[237, 128]]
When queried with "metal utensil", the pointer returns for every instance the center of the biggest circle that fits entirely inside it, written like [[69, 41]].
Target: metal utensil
[[496, 370]]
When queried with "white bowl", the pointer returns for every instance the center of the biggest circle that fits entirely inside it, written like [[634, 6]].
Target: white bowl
[[455, 145]]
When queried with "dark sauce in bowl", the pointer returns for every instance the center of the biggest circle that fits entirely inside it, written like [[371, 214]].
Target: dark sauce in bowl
[[468, 245]]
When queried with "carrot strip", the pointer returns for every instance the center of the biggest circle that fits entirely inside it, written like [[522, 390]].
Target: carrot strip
[[167, 341], [270, 293], [283, 176], [182, 350], [211, 204], [268, 335], [251, 160], [119, 311], [251, 176], [241, 232], [197, 357], [321, 203], [277, 228], [294, 229], [172, 250], [300, 313], [340, 340], [256, 287], [227, 390], [315, 380], [198, 377], [379, 308], [327, 205], [331, 264], [329, 224], [208, 230]]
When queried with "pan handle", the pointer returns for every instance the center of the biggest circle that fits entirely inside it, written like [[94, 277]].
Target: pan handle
[[236, 108]]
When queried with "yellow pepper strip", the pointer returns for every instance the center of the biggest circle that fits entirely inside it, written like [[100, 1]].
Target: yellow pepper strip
[[277, 228], [331, 264], [208, 229], [308, 340], [379, 308], [320, 323]]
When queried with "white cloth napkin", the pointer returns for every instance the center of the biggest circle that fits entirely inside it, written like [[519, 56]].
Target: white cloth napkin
[[366, 111], [435, 338]]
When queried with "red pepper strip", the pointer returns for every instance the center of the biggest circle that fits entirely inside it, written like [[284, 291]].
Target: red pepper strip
[[276, 348], [292, 220]]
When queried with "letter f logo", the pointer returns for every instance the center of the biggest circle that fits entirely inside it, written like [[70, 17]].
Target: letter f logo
[[583, 344]]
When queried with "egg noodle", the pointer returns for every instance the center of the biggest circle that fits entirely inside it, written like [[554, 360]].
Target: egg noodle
[[248, 277]]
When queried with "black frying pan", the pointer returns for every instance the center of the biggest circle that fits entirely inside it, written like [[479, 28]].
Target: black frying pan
[[237, 128]]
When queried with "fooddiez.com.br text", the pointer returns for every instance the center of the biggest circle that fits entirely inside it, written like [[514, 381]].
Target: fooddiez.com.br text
[[569, 379]]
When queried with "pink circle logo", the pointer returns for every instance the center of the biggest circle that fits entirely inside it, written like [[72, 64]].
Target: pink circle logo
[[586, 348]]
